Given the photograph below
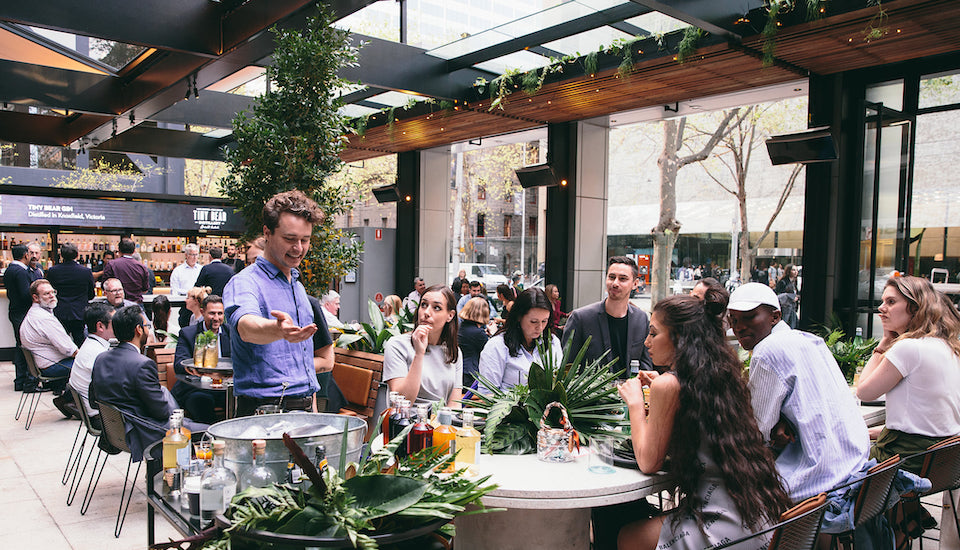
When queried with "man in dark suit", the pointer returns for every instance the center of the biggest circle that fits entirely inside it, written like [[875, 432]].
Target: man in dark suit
[[614, 324], [234, 261], [128, 380], [200, 403], [16, 279], [74, 285], [131, 273], [215, 274]]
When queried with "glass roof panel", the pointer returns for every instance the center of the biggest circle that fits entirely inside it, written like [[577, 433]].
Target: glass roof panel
[[353, 111], [656, 23], [549, 17], [395, 99], [522, 60], [249, 81], [380, 20], [14, 47], [108, 52], [588, 41]]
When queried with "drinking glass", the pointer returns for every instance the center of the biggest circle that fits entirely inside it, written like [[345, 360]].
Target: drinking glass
[[601, 454]]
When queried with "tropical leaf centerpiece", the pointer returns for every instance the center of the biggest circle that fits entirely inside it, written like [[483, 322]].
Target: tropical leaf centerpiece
[[585, 390]]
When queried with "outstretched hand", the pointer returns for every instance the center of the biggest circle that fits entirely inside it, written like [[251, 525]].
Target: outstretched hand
[[290, 331]]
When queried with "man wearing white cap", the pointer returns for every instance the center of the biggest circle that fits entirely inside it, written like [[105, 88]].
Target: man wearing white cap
[[800, 398]]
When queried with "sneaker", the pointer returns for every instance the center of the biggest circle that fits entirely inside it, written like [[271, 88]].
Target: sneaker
[[66, 406]]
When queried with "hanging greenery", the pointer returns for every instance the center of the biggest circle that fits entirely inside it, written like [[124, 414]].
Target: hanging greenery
[[769, 33], [688, 45], [877, 27], [292, 139]]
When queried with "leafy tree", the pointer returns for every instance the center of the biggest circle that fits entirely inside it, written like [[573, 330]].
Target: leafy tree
[[104, 175], [293, 139], [201, 178], [670, 161]]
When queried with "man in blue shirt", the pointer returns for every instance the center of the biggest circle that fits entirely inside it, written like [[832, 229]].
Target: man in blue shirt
[[269, 315]]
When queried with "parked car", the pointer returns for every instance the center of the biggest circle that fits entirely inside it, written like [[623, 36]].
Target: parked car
[[488, 274]]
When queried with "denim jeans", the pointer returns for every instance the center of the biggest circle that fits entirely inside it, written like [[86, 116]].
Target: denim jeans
[[60, 368]]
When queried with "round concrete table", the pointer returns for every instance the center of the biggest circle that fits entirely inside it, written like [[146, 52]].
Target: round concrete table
[[548, 505]]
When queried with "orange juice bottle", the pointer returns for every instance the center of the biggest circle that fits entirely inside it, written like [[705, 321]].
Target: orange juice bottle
[[445, 436]]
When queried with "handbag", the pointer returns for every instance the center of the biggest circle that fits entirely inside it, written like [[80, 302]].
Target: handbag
[[557, 444]]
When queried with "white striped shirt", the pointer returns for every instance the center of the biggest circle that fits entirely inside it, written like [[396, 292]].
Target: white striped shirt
[[793, 374]]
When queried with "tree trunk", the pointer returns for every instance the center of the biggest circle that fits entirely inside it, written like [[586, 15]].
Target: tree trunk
[[665, 233], [746, 253]]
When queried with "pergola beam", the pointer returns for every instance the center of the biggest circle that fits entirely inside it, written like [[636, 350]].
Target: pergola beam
[[709, 15]]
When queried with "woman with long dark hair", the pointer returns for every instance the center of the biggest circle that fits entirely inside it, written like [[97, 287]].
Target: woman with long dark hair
[[700, 415], [425, 365], [161, 316], [787, 293], [917, 365], [553, 294], [506, 359]]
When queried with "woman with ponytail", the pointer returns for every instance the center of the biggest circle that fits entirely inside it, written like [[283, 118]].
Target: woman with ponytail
[[700, 415]]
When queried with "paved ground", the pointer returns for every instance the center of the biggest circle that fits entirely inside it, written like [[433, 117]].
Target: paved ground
[[32, 500]]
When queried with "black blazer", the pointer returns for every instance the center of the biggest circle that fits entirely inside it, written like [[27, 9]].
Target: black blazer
[[471, 339], [17, 281], [128, 380], [74, 284], [185, 345], [591, 321], [215, 275], [235, 263]]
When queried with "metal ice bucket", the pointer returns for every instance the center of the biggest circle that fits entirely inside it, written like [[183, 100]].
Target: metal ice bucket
[[307, 429]]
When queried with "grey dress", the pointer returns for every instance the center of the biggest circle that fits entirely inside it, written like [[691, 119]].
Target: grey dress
[[721, 520]]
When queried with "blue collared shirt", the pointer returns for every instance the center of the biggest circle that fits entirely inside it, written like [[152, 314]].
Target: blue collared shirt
[[260, 370]]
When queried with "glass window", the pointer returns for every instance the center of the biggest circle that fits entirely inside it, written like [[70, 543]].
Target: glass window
[[939, 89], [889, 93]]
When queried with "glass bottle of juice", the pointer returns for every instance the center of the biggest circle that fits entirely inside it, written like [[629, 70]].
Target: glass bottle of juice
[[217, 485], [445, 436], [176, 453], [258, 474], [421, 436], [468, 441]]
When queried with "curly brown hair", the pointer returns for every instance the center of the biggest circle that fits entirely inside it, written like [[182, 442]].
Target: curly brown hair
[[715, 414], [294, 202]]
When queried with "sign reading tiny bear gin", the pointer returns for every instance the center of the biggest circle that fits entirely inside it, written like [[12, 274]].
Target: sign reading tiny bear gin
[[71, 212]]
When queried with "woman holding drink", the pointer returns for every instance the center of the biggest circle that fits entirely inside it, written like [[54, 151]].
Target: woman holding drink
[[425, 365], [700, 414]]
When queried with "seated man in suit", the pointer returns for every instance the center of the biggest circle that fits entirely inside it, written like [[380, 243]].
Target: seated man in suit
[[128, 380], [43, 336], [216, 273], [200, 403]]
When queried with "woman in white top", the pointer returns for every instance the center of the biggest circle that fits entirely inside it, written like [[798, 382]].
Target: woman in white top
[[506, 358], [917, 365], [425, 365]]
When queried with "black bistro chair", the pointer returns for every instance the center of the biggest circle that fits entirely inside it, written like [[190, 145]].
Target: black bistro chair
[[941, 465], [873, 498], [114, 432], [73, 473], [29, 401], [798, 529]]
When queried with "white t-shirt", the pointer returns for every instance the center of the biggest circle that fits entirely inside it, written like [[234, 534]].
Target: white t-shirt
[[438, 378], [927, 400]]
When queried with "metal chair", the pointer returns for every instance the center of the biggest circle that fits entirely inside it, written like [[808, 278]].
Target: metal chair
[[74, 473], [941, 465], [114, 432], [798, 529], [32, 399], [872, 498]]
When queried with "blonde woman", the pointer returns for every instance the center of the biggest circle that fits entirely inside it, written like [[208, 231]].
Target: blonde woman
[[917, 365], [472, 336], [391, 308], [192, 313]]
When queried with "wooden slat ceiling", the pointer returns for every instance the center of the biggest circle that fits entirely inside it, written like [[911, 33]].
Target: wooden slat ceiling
[[918, 28]]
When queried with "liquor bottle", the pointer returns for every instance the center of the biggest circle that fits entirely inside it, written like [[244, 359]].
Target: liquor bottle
[[468, 441], [401, 425], [217, 485], [258, 474], [421, 436], [183, 429], [385, 426], [179, 246], [395, 418], [445, 436], [176, 453], [5, 243], [320, 458], [294, 473]]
